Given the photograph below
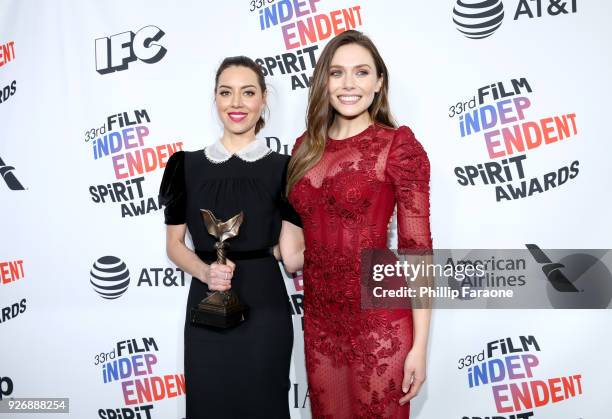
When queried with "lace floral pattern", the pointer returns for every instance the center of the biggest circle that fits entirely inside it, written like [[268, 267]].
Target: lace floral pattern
[[355, 357]]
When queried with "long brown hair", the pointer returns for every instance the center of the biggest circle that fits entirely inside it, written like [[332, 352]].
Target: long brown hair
[[242, 61], [320, 114]]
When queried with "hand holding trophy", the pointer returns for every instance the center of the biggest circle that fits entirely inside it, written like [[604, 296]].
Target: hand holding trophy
[[220, 309]]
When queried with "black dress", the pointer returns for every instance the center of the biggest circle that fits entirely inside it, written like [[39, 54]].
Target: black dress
[[241, 372]]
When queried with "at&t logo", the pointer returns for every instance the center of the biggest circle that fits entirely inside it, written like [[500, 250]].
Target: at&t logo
[[478, 19], [110, 277]]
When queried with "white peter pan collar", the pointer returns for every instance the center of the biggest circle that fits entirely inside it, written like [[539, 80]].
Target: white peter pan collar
[[256, 150]]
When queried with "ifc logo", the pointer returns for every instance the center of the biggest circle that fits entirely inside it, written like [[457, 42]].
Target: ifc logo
[[478, 19], [110, 277]]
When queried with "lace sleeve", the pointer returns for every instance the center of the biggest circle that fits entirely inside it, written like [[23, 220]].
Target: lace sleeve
[[408, 170], [172, 189]]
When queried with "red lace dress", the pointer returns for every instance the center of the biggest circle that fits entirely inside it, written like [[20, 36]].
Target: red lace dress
[[355, 357]]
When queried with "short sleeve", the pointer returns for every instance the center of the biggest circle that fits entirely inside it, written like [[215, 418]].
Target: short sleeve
[[288, 213], [408, 170], [172, 193]]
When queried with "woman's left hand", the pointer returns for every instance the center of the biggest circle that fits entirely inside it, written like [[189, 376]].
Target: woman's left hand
[[415, 366]]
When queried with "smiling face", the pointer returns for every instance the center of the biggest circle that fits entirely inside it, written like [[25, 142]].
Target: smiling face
[[239, 99], [352, 81]]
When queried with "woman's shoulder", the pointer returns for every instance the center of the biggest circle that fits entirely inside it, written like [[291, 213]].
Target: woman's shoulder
[[194, 157], [278, 159], [191, 153], [396, 140], [175, 161], [298, 141], [182, 155], [391, 133]]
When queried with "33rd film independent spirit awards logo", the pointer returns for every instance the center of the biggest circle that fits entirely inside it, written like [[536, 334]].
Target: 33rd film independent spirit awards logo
[[497, 115], [11, 272], [302, 26], [479, 19], [7, 55], [110, 277], [508, 367], [123, 143], [130, 366], [299, 393]]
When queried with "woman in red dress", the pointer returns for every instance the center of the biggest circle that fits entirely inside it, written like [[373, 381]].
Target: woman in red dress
[[348, 171]]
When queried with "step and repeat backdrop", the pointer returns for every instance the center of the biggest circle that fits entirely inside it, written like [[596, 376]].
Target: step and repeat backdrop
[[508, 97]]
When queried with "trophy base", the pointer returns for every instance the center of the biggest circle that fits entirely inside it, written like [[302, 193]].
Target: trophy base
[[207, 318], [220, 311]]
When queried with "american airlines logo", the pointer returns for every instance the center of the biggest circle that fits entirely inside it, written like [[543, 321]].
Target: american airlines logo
[[9, 177]]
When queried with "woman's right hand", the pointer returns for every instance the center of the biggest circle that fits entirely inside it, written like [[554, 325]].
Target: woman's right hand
[[218, 277]]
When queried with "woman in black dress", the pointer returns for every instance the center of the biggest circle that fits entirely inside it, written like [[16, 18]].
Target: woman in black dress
[[242, 372]]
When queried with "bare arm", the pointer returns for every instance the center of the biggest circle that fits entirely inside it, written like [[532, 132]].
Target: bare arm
[[421, 320], [415, 364], [217, 277], [291, 246]]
